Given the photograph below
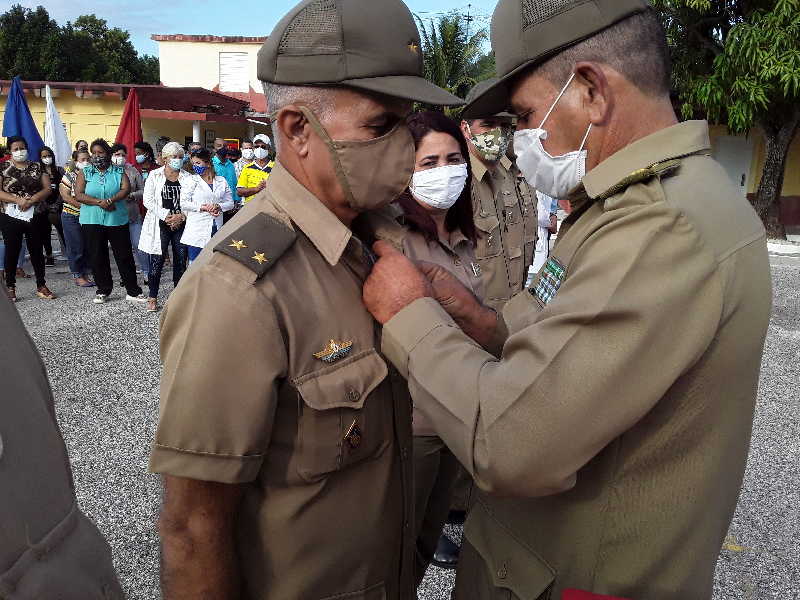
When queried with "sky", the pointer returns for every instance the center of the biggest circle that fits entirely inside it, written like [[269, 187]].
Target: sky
[[142, 18]]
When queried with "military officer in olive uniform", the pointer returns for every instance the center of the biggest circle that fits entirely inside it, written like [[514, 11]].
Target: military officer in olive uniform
[[606, 415], [284, 436], [504, 207], [48, 548]]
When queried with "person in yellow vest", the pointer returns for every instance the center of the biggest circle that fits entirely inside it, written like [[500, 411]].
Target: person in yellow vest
[[606, 414], [254, 176]]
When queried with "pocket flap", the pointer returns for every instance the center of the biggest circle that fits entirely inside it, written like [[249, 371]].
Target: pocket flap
[[343, 385], [487, 224], [514, 253], [511, 563]]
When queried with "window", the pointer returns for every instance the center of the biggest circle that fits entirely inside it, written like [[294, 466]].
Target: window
[[234, 74]]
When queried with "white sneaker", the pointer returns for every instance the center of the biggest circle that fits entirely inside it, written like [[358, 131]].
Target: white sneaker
[[100, 298], [141, 298]]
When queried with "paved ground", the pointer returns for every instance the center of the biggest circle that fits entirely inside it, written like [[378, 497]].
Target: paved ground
[[103, 363]]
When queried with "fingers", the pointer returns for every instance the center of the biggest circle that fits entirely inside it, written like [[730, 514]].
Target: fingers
[[433, 272], [385, 249]]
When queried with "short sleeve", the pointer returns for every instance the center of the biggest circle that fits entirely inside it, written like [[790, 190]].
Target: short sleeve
[[222, 355]]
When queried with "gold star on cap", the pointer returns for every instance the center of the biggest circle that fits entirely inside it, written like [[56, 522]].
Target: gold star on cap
[[238, 244], [413, 47], [259, 258]]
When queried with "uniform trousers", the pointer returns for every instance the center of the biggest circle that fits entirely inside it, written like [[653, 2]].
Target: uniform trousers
[[435, 471], [98, 238], [13, 232]]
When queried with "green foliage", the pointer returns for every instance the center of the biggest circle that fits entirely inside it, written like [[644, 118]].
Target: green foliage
[[736, 61], [33, 46], [454, 58]]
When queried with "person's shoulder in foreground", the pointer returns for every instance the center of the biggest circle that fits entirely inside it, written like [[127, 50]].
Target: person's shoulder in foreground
[[49, 548]]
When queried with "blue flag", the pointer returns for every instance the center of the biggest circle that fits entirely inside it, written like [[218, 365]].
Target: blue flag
[[18, 120]]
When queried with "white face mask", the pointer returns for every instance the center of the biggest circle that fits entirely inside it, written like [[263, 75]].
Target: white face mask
[[440, 187], [247, 154], [47, 160], [175, 164], [261, 153], [20, 155], [117, 161], [82, 165], [554, 176]]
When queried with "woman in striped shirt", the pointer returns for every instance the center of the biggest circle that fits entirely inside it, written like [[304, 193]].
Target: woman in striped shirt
[[70, 221]]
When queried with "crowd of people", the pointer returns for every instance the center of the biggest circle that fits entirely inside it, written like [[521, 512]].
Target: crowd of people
[[144, 207]]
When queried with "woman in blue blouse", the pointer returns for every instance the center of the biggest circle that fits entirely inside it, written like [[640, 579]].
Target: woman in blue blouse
[[102, 189]]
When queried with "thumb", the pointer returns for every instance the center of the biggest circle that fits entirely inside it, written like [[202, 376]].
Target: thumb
[[384, 249]]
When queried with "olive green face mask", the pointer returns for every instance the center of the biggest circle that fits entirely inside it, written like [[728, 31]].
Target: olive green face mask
[[372, 173]]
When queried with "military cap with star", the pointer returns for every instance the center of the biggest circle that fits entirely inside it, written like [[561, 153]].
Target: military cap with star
[[369, 45], [526, 33]]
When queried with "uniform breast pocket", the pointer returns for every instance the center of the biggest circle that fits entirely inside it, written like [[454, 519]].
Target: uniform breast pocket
[[489, 240], [338, 425]]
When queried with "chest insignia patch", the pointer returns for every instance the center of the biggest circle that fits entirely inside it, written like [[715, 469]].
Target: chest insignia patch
[[334, 351], [476, 269], [550, 281], [354, 436]]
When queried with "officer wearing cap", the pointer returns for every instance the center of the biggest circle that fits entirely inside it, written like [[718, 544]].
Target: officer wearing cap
[[504, 207], [48, 548], [606, 415], [284, 436]]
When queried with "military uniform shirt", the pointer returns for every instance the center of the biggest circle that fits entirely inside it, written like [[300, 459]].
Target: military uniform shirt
[[610, 438], [273, 379], [504, 208]]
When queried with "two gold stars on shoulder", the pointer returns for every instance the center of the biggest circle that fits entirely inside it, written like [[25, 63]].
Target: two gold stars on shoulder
[[239, 245]]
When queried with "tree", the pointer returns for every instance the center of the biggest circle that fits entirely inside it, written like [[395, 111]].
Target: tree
[[454, 58], [33, 46], [738, 61]]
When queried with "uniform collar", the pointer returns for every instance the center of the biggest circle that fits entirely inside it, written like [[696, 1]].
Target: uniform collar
[[479, 169], [678, 140], [328, 234]]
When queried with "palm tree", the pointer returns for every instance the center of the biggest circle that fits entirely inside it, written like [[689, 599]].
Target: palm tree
[[452, 58]]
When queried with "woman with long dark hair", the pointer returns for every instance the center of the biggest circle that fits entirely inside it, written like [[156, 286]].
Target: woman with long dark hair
[[433, 223], [51, 206]]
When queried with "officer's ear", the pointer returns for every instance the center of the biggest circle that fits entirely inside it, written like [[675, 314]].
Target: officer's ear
[[596, 92], [295, 130]]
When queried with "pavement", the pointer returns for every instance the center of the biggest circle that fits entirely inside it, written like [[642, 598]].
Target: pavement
[[104, 369]]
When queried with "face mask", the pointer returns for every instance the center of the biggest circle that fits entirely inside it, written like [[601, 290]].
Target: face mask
[[261, 153], [81, 165], [47, 160], [492, 144], [372, 173], [101, 162], [20, 155], [554, 176], [440, 187], [140, 158], [200, 169], [175, 163], [248, 154], [222, 154], [117, 161]]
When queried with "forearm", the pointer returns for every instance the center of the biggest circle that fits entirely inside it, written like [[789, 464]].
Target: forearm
[[247, 192], [198, 564], [85, 199]]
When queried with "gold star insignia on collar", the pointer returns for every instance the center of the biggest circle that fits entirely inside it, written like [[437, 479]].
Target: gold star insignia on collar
[[238, 244], [413, 47], [259, 258], [334, 351]]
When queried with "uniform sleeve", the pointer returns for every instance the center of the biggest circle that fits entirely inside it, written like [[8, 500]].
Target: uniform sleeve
[[640, 304], [222, 355]]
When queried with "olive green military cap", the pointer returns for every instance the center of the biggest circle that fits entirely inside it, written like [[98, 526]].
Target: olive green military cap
[[528, 32], [373, 46], [476, 92]]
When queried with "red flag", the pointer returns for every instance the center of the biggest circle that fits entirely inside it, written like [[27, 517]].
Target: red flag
[[130, 126]]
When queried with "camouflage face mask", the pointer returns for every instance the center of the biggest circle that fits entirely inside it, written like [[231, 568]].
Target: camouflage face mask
[[492, 144]]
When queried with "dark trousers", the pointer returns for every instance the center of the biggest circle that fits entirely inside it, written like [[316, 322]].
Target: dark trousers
[[52, 220], [179, 254], [435, 472], [98, 238], [13, 232]]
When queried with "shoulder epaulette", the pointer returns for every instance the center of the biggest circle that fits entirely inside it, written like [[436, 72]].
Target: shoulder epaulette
[[659, 169], [258, 243]]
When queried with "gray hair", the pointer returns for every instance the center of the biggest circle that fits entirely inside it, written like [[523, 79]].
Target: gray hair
[[318, 98], [172, 149], [636, 47]]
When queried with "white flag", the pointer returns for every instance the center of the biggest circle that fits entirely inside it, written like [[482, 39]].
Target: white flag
[[55, 135]]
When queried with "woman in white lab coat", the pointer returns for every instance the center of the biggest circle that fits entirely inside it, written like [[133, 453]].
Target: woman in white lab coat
[[210, 198]]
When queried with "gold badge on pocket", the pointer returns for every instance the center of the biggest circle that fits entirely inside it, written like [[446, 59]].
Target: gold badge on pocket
[[334, 351]]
